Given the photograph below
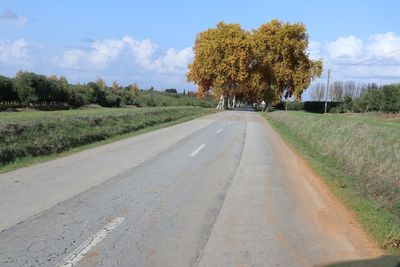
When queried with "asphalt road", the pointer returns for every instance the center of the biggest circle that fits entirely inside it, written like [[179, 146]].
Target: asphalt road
[[222, 190]]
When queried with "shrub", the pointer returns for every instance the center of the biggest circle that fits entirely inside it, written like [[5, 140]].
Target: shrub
[[24, 87], [7, 92], [76, 99], [381, 99], [310, 106]]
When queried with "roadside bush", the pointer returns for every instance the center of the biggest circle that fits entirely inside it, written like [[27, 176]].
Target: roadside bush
[[112, 100], [7, 92], [24, 88], [319, 106], [37, 136], [33, 89], [379, 99], [309, 106], [290, 105], [338, 109], [76, 99]]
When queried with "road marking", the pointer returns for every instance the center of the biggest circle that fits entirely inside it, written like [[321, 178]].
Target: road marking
[[79, 253], [229, 122], [197, 150], [220, 130]]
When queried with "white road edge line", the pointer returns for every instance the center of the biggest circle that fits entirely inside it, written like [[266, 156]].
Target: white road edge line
[[79, 253], [220, 130], [197, 150]]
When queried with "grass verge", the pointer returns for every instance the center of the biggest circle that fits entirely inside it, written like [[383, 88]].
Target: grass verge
[[29, 138], [358, 158]]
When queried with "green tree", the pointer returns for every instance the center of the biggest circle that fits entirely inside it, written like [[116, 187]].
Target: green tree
[[97, 95], [390, 98], [7, 92], [58, 88], [24, 87], [171, 91]]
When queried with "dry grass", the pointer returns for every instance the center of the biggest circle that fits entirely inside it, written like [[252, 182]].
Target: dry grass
[[363, 154]]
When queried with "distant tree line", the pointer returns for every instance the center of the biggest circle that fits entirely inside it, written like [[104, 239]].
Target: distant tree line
[[171, 91], [359, 97], [32, 88], [29, 87]]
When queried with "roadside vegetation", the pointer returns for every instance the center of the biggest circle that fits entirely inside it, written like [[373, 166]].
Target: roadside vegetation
[[42, 133], [351, 97], [31, 90], [358, 155]]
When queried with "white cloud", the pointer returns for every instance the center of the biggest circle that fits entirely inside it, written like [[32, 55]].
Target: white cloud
[[375, 59], [11, 16], [145, 54], [383, 45], [101, 53], [345, 48], [105, 51], [70, 58], [314, 50], [174, 60], [14, 53], [142, 51]]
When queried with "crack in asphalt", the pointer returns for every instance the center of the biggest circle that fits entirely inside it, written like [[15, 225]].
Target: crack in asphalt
[[223, 197]]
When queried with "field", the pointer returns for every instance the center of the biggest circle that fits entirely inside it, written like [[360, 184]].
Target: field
[[25, 136], [358, 155]]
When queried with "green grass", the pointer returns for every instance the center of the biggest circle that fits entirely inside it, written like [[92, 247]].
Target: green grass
[[31, 137], [85, 111], [358, 156], [149, 98]]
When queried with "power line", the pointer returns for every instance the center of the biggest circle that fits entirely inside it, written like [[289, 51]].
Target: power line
[[370, 60]]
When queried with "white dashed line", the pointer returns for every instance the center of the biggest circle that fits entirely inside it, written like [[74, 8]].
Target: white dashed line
[[220, 130], [197, 150], [79, 253]]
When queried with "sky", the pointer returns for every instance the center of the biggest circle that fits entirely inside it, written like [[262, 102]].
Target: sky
[[150, 42]]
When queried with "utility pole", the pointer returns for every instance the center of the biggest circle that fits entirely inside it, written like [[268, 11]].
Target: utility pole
[[326, 93]]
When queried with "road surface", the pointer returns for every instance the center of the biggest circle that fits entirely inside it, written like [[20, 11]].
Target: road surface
[[222, 190]]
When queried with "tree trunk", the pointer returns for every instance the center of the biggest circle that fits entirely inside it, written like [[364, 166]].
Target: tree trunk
[[268, 106]]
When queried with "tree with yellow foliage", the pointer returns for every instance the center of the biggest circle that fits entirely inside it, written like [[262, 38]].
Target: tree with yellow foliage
[[101, 84], [284, 64], [264, 64], [133, 89], [222, 56]]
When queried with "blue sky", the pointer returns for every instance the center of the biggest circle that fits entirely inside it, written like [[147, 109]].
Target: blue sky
[[149, 42]]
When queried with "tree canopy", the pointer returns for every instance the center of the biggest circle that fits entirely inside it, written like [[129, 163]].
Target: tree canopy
[[263, 64], [222, 56]]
